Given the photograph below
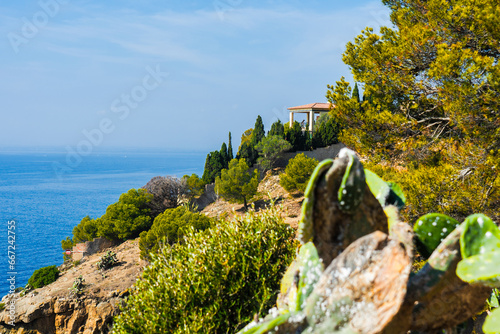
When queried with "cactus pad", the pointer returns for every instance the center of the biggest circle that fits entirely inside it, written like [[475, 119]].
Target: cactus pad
[[350, 194], [306, 221], [300, 278], [431, 229], [480, 236], [387, 193], [481, 268], [492, 323]]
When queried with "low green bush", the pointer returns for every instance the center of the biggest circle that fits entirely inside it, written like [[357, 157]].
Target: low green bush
[[43, 276], [169, 227], [107, 261], [213, 282], [297, 173]]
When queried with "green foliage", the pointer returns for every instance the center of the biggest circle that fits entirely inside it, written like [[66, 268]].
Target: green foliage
[[128, 217], [431, 95], [230, 149], [300, 140], [326, 133], [438, 189], [194, 186], [355, 93], [215, 281], [170, 227], [258, 132], [67, 243], [43, 276], [224, 156], [87, 230], [77, 289], [277, 129], [107, 261], [270, 149], [213, 165], [297, 173], [237, 183]]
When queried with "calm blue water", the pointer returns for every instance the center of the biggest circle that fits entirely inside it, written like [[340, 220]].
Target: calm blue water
[[47, 197]]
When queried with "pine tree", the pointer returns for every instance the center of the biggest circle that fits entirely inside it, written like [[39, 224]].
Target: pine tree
[[237, 183]]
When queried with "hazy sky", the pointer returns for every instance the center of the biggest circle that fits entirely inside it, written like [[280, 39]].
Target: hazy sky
[[170, 74]]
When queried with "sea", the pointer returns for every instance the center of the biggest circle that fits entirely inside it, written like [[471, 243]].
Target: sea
[[44, 193]]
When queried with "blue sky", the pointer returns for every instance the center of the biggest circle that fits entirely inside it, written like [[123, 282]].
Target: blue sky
[[168, 74]]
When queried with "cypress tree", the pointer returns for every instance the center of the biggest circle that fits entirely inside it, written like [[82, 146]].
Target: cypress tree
[[258, 133], [355, 93], [277, 129], [230, 149], [224, 157]]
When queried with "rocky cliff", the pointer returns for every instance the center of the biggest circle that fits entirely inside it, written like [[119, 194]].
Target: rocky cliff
[[52, 309]]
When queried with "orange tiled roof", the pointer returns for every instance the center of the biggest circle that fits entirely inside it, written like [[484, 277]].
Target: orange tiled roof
[[312, 106]]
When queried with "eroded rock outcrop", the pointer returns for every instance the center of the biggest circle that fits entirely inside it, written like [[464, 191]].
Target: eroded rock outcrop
[[52, 309]]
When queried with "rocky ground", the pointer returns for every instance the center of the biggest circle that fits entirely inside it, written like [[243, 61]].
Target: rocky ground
[[269, 190], [52, 309]]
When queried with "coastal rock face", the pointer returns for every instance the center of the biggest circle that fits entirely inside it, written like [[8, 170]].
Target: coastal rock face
[[52, 309]]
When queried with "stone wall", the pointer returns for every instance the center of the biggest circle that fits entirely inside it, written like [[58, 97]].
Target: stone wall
[[91, 247], [209, 196], [319, 154]]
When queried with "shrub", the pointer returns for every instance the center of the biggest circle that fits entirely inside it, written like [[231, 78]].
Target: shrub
[[297, 173], [237, 183], [194, 186], [86, 230], [107, 261], [77, 288], [128, 217], [43, 276], [270, 149], [441, 188], [170, 226], [203, 284]]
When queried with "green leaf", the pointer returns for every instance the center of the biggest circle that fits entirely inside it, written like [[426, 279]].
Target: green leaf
[[481, 268], [480, 236], [492, 323]]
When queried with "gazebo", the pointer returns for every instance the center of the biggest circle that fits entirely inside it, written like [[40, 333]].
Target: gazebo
[[312, 110]]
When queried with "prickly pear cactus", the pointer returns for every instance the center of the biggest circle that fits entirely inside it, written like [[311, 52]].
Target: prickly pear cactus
[[300, 278], [492, 323], [306, 231], [431, 230], [387, 193], [352, 188], [481, 268], [480, 236], [480, 248], [350, 224]]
